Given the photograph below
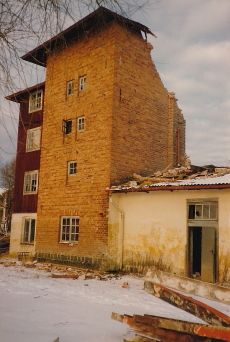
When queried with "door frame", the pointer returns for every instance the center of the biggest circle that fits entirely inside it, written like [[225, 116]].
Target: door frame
[[202, 223]]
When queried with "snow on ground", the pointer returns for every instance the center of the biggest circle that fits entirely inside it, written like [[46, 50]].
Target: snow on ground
[[34, 307]]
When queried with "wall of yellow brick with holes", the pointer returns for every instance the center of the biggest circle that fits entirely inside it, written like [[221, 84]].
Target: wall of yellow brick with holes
[[127, 122]]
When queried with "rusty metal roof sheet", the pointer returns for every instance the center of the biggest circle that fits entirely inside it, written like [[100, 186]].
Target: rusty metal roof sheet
[[97, 18]]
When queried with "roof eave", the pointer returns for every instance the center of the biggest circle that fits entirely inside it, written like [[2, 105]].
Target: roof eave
[[20, 95], [172, 188], [38, 55]]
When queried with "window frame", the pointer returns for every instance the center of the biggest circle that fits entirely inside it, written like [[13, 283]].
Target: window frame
[[30, 145], [66, 126], [34, 103], [31, 231], [66, 233], [80, 125], [74, 168], [69, 86], [82, 83], [201, 208], [31, 185]]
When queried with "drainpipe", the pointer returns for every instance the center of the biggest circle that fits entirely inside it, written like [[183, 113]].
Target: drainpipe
[[122, 230]]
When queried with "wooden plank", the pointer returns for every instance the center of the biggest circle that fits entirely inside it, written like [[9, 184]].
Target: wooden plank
[[117, 317], [137, 338], [73, 276], [122, 318], [165, 335], [157, 333], [189, 304], [215, 332]]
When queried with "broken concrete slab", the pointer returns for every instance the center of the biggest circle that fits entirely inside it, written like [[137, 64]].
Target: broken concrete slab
[[189, 304], [192, 286]]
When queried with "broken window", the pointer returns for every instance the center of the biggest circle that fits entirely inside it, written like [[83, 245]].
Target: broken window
[[69, 229], [69, 88], [81, 124], [72, 168], [82, 83], [33, 139], [28, 230], [66, 126], [35, 101], [30, 182], [201, 211]]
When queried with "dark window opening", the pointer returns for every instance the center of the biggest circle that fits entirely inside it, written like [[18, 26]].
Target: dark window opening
[[66, 126], [196, 245]]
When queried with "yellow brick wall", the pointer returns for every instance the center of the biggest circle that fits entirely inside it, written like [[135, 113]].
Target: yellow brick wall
[[126, 109]]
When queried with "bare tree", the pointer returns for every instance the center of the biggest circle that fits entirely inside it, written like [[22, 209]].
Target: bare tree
[[7, 183]]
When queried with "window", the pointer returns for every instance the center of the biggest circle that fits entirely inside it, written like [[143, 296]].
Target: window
[[66, 126], [81, 124], [202, 211], [72, 168], [28, 230], [82, 83], [30, 182], [69, 229], [35, 102], [33, 139], [69, 88]]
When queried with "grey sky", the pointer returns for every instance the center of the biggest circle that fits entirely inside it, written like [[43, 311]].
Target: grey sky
[[192, 55]]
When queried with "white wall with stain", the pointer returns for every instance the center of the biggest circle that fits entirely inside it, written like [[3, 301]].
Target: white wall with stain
[[156, 229]]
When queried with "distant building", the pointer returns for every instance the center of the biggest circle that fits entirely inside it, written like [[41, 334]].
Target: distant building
[[102, 114]]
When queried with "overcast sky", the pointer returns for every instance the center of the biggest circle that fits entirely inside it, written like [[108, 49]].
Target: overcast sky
[[192, 55]]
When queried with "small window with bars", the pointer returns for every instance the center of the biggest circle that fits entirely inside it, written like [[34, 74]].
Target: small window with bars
[[82, 83], [69, 229], [69, 88], [81, 124]]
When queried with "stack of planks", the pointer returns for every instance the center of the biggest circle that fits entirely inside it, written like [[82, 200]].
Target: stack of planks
[[149, 328]]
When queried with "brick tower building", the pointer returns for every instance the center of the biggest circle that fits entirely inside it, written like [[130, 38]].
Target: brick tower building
[[106, 115]]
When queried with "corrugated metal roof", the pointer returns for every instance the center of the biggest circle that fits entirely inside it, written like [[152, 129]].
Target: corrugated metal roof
[[197, 181], [212, 182]]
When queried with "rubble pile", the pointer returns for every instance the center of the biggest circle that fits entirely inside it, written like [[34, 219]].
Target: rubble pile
[[58, 271], [174, 175]]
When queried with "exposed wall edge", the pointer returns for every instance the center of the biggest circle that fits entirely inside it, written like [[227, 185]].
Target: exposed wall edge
[[191, 286]]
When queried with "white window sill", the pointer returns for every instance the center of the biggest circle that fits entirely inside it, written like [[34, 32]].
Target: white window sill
[[69, 243]]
